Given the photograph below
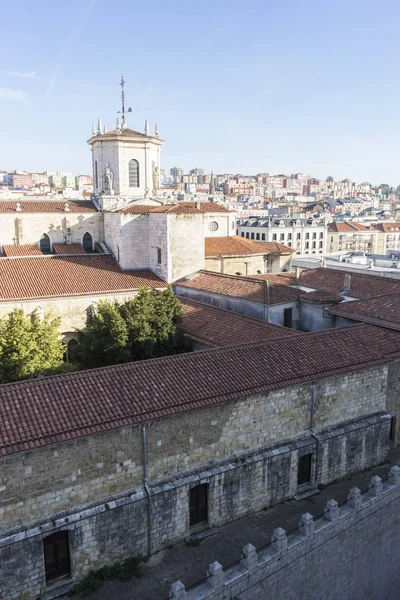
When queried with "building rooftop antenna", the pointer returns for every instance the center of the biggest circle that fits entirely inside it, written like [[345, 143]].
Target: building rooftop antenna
[[122, 83]]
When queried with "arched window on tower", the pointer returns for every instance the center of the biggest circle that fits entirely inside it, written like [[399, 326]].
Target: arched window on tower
[[133, 173], [96, 176], [87, 242], [44, 244]]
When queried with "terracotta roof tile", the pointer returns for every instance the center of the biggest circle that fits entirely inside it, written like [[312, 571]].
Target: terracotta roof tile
[[137, 209], [87, 402], [361, 286], [68, 249], [47, 206], [321, 296], [176, 209], [207, 207], [252, 289], [235, 245], [54, 276], [216, 327], [23, 250], [383, 311], [388, 227], [346, 227]]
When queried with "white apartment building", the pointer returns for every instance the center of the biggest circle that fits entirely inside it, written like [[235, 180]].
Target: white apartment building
[[306, 236]]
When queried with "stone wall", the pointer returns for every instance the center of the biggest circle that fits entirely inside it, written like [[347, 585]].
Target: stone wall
[[134, 242], [349, 553], [186, 244], [247, 451], [31, 226]]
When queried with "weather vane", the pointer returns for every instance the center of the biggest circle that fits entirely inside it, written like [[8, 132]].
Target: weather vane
[[123, 101]]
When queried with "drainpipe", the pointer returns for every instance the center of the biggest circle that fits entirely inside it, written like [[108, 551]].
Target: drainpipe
[[313, 434], [146, 487]]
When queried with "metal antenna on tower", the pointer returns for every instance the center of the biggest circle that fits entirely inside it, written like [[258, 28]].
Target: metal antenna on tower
[[123, 103]]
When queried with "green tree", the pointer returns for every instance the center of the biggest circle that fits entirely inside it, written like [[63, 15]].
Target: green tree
[[146, 326], [29, 346]]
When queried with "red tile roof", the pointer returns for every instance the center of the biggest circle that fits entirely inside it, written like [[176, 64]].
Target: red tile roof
[[207, 207], [347, 227], [176, 209], [361, 286], [388, 227], [138, 209], [252, 289], [68, 249], [383, 311], [54, 276], [235, 245], [23, 250], [47, 206], [321, 297], [49, 410], [216, 327]]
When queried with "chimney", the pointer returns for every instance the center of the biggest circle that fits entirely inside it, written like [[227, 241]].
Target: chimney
[[197, 204], [66, 207], [347, 282], [18, 207]]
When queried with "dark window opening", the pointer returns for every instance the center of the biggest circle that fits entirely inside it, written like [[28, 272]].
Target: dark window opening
[[133, 173], [45, 245], [72, 348], [392, 432], [198, 504], [87, 242], [247, 235], [304, 472], [263, 237], [96, 176], [159, 256], [56, 556], [287, 317]]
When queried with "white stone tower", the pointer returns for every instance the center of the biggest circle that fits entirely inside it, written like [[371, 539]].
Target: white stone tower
[[126, 163]]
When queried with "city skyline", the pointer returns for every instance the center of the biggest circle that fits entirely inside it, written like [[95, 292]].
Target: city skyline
[[235, 89]]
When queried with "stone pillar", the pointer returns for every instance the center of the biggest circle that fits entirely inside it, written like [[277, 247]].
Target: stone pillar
[[394, 475], [279, 540], [331, 511], [376, 486], [177, 591], [354, 498], [215, 576], [307, 525], [250, 557]]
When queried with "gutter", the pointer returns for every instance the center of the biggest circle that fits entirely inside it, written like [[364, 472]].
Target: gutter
[[146, 487]]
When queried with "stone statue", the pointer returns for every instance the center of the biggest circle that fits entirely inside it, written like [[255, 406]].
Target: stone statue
[[108, 179], [155, 178]]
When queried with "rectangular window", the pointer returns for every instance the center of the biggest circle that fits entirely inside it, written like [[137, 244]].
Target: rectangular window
[[392, 432], [282, 237], [321, 235], [257, 236], [314, 244], [320, 244], [304, 472], [289, 236], [314, 235], [307, 236], [307, 245], [331, 238], [252, 236], [198, 504], [242, 233], [299, 236], [159, 256], [56, 556], [263, 237], [274, 237], [247, 235], [287, 317]]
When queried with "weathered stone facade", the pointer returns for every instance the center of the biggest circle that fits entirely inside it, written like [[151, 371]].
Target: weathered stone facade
[[127, 490]]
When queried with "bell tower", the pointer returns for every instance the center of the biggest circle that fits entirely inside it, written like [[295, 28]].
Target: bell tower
[[126, 163]]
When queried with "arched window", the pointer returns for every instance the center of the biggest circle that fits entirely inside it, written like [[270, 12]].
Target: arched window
[[72, 347], [133, 173], [96, 176], [87, 242], [56, 556], [45, 245]]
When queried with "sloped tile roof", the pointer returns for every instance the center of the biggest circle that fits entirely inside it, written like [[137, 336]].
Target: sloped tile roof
[[68, 249], [54, 276], [388, 227], [361, 286], [47, 206], [383, 311], [236, 245], [137, 209], [207, 207], [23, 250], [49, 410], [216, 327], [340, 227], [176, 209], [252, 289]]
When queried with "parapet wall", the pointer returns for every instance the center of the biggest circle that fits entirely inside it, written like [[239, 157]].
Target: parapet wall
[[351, 552]]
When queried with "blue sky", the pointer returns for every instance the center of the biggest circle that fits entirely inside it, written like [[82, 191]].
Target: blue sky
[[310, 86]]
